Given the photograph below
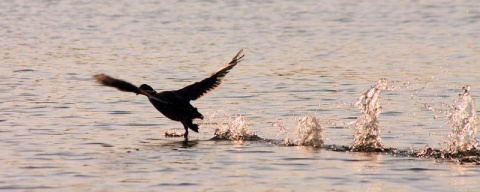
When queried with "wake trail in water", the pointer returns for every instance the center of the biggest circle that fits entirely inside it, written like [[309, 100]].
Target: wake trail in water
[[460, 147]]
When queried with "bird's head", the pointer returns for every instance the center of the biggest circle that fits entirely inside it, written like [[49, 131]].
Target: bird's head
[[146, 88]]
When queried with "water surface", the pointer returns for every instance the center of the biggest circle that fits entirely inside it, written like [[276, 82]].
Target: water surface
[[61, 131]]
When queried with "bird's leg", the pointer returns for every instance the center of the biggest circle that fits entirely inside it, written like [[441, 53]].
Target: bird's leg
[[185, 135]]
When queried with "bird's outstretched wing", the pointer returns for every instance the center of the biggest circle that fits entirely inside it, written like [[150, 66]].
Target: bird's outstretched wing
[[125, 86], [198, 89], [117, 83]]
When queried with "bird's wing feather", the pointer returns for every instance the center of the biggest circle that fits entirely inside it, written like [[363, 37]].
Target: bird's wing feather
[[117, 83], [125, 86], [198, 89]]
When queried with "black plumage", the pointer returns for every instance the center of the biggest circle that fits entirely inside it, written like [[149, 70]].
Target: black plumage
[[176, 104]]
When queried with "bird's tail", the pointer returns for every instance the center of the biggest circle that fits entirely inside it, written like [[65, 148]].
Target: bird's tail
[[194, 127], [190, 125]]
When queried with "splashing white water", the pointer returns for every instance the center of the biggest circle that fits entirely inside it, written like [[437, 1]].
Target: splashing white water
[[307, 132], [463, 120], [236, 130], [367, 131], [175, 133]]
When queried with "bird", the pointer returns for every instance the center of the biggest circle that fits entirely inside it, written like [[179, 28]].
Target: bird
[[176, 105]]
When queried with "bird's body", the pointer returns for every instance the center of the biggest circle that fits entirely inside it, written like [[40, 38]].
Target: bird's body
[[182, 109], [178, 109], [175, 105]]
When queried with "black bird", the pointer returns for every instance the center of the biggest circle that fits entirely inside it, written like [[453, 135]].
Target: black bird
[[175, 104]]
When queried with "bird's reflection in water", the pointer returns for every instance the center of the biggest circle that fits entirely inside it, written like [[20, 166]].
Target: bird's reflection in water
[[189, 144], [184, 143]]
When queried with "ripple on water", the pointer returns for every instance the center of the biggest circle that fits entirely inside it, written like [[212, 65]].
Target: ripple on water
[[25, 187], [120, 112], [176, 184], [42, 167], [248, 151], [23, 70], [417, 169], [101, 144]]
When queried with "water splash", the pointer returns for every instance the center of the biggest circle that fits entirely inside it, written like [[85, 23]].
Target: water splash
[[462, 143], [307, 132], [236, 130], [463, 120], [174, 133], [367, 131]]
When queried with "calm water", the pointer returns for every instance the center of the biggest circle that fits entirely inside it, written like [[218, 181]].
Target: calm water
[[60, 131]]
